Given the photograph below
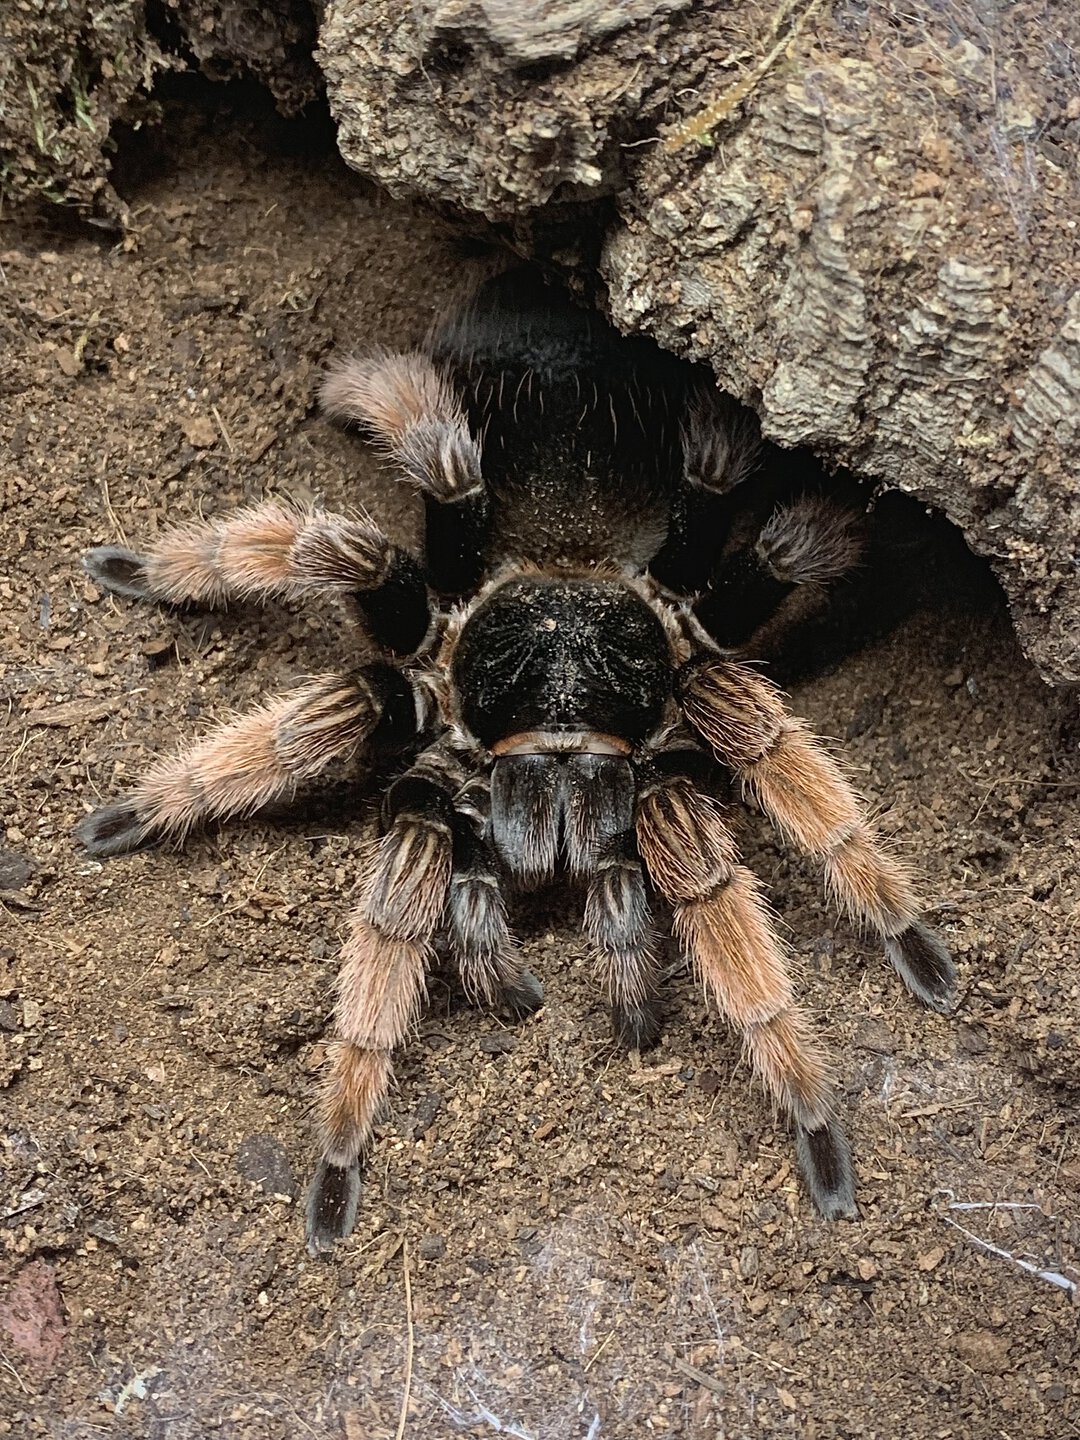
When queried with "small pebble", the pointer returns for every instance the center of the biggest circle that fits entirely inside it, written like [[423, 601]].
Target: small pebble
[[426, 1111], [16, 871], [498, 1044]]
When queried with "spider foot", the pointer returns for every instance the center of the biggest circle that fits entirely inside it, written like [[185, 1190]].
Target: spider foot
[[636, 1027], [924, 965], [525, 996], [332, 1203], [824, 1157], [115, 829], [118, 570]]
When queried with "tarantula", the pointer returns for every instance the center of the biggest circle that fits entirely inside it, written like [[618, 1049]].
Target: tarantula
[[560, 692]]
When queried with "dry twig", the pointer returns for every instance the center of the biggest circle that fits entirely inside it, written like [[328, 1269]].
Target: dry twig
[[406, 1393]]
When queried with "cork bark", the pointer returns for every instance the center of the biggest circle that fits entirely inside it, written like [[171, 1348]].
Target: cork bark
[[865, 218]]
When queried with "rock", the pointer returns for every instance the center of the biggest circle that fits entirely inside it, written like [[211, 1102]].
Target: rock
[[424, 1115], [749, 1261], [199, 432], [16, 871], [874, 1035], [984, 1351], [500, 1044], [432, 1247]]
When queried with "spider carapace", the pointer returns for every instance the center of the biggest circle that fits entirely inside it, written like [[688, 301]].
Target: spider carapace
[[560, 687]]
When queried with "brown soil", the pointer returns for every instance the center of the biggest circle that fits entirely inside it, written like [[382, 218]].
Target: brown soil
[[556, 1240]]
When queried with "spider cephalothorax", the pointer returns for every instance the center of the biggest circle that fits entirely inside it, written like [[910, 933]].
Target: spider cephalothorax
[[552, 681]]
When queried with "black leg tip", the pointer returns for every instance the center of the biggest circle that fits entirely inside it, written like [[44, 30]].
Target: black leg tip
[[824, 1157], [117, 569], [636, 1027], [114, 830], [525, 997], [332, 1203], [924, 965]]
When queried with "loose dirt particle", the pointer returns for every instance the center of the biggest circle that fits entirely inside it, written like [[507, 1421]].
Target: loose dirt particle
[[200, 432]]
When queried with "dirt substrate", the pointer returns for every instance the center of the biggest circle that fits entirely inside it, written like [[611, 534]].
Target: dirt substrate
[[556, 1241]]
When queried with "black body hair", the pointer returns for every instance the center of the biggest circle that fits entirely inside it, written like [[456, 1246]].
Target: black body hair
[[563, 655]]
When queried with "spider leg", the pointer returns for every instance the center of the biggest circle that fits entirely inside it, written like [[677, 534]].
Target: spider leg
[[618, 921], [721, 919], [805, 794], [721, 445], [259, 758], [409, 405], [272, 550], [781, 571], [488, 958], [382, 981], [775, 551]]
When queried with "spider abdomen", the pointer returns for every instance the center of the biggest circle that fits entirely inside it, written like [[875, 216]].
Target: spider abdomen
[[582, 445], [555, 655]]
